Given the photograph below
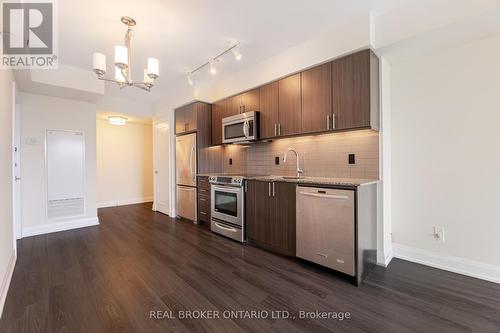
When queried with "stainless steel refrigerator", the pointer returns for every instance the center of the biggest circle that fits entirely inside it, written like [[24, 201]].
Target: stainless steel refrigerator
[[185, 175]]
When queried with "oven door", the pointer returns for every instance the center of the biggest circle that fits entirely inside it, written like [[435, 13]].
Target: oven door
[[227, 204], [242, 129]]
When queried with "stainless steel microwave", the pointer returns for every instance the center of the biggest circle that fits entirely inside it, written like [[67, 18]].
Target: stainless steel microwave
[[241, 128]]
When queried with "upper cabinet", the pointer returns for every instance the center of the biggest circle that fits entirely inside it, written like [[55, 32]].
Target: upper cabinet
[[248, 101], [289, 105], [339, 95], [355, 91], [185, 118], [317, 99], [218, 112], [268, 111]]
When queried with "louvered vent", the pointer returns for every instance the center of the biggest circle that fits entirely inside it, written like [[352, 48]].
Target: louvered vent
[[65, 208]]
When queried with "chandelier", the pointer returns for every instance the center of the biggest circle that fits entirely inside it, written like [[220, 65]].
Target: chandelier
[[123, 65]]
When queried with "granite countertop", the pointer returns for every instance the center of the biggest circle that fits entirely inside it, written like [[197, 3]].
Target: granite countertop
[[352, 182]]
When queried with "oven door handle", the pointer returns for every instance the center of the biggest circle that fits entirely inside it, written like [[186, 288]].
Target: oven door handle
[[225, 228], [231, 189]]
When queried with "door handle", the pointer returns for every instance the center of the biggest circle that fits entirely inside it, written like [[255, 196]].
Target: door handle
[[191, 169], [326, 196], [246, 129], [225, 228]]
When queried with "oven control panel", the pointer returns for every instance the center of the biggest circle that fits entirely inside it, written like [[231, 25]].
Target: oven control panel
[[234, 181]]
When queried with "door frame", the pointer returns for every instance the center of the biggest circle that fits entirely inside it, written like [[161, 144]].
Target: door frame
[[16, 190], [171, 186]]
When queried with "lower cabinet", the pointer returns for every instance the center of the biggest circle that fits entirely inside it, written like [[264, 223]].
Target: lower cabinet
[[270, 215], [203, 200]]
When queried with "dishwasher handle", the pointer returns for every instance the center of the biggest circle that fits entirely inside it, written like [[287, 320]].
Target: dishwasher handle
[[325, 196]]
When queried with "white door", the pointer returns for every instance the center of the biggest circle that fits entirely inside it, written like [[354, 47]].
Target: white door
[[161, 172], [17, 172]]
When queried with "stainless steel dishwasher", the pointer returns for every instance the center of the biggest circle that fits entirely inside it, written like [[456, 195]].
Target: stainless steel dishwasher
[[325, 227]]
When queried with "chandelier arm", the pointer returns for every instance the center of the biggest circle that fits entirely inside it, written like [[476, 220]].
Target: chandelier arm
[[142, 85]]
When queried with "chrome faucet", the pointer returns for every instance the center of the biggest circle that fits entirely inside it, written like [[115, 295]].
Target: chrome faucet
[[299, 171]]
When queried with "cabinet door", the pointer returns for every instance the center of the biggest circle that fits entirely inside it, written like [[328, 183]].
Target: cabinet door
[[268, 110], [218, 109], [250, 209], [233, 106], [190, 117], [250, 100], [180, 116], [289, 105], [261, 230], [317, 99], [351, 90], [282, 218]]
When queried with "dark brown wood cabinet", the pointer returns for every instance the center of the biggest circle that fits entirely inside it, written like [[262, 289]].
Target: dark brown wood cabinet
[[186, 118], [247, 101], [290, 106], [203, 199], [270, 215], [218, 112], [355, 91], [338, 95], [317, 99], [233, 106], [250, 100], [269, 110]]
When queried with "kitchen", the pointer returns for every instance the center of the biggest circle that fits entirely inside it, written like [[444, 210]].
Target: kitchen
[[258, 166], [264, 167]]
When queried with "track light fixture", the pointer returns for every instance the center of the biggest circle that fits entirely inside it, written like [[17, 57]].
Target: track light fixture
[[235, 49]]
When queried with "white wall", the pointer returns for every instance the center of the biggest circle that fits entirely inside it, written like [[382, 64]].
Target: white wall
[[7, 251], [40, 113], [446, 158], [124, 163]]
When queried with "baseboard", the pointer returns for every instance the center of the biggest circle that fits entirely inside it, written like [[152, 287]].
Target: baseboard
[[60, 226], [6, 281], [386, 260], [453, 264], [115, 203]]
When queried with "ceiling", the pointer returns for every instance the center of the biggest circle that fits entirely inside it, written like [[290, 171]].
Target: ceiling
[[184, 34]]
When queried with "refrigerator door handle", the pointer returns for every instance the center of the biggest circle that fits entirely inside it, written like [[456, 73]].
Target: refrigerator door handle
[[191, 169]]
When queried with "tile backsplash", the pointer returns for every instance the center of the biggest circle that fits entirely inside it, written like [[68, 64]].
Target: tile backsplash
[[324, 155]]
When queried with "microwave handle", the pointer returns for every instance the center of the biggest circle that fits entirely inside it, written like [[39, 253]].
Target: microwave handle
[[246, 129]]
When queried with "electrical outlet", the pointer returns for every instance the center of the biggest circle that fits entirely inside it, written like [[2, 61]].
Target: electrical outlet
[[439, 233], [230, 161], [352, 159], [277, 160]]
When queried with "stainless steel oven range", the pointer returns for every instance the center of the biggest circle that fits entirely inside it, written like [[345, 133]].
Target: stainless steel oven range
[[228, 206]]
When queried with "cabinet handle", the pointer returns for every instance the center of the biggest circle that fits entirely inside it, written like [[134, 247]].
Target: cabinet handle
[[269, 189], [333, 121], [279, 129], [275, 129], [274, 190], [328, 122]]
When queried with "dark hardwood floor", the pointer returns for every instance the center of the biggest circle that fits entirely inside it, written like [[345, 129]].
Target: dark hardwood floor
[[108, 278]]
